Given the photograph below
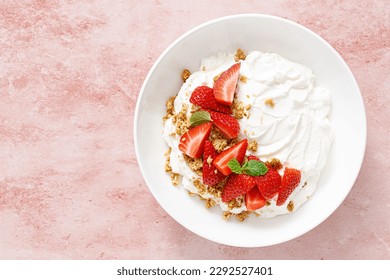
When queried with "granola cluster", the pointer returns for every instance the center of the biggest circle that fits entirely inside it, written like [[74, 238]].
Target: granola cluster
[[269, 102], [185, 75], [196, 164], [181, 121], [240, 55]]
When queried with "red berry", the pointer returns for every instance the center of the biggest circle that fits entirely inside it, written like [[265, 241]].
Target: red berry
[[211, 175], [225, 85], [192, 142], [269, 183], [236, 185], [252, 157], [228, 125], [237, 151], [254, 200], [290, 180], [203, 96]]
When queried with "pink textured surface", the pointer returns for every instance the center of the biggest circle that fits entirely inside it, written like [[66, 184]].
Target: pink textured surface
[[70, 74]]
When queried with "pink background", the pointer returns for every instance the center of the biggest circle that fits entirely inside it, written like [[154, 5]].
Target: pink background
[[70, 74]]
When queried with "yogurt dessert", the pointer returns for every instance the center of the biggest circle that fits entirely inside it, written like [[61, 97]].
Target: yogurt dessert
[[249, 133]]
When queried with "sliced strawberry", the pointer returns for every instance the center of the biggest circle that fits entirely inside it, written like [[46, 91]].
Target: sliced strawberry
[[254, 200], [236, 185], [228, 125], [211, 175], [290, 180], [192, 142], [237, 151], [269, 183], [203, 96], [252, 157], [225, 85]]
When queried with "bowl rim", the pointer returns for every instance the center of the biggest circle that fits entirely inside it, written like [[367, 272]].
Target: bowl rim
[[228, 18]]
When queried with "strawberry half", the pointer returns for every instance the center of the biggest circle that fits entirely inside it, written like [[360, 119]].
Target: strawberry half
[[211, 175], [203, 96], [290, 180], [228, 125], [192, 142], [225, 85], [236, 185], [254, 200], [269, 183], [252, 157], [237, 151]]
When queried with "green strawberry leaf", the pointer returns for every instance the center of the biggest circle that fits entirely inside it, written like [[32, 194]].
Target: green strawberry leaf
[[200, 117], [235, 166], [254, 168]]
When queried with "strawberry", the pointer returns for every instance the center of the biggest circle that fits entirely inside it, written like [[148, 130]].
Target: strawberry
[[211, 175], [237, 151], [290, 180], [192, 142], [254, 200], [203, 96], [225, 85], [252, 157], [228, 125], [236, 185], [269, 183]]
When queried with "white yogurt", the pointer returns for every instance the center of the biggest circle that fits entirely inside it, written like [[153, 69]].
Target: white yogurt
[[296, 130]]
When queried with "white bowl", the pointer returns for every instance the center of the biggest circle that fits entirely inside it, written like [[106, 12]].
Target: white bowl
[[268, 34]]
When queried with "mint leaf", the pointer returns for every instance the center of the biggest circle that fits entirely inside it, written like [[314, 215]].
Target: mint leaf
[[235, 166], [200, 117], [254, 168]]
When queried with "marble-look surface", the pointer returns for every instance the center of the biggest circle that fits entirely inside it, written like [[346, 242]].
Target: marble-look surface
[[70, 74]]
